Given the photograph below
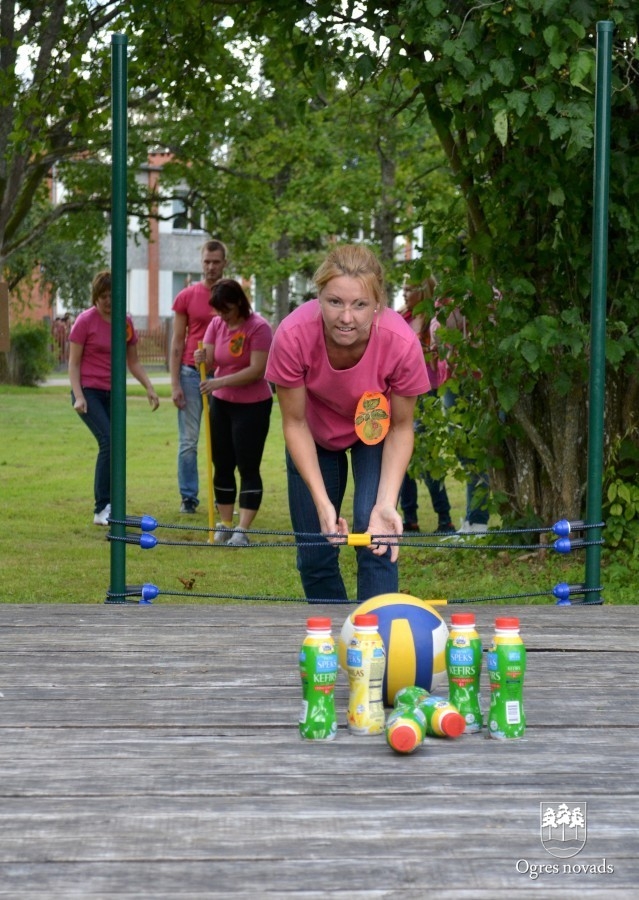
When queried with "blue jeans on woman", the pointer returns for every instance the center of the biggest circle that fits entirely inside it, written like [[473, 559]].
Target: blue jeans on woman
[[438, 497], [318, 565], [189, 420], [98, 420]]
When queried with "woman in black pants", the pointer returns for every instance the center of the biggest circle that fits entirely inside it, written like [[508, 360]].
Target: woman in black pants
[[236, 346]]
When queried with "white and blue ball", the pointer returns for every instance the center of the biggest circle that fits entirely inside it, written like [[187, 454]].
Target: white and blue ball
[[414, 636]]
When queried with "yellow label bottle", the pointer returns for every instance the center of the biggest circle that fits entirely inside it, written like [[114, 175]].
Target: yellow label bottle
[[366, 663]]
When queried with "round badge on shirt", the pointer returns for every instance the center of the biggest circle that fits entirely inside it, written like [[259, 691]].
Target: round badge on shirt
[[236, 344], [372, 417]]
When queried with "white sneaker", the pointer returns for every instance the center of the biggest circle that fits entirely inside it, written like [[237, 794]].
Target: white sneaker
[[102, 518], [239, 538], [222, 533], [467, 528]]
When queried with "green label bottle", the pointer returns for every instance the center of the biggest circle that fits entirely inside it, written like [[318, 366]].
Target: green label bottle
[[463, 667], [410, 696], [506, 670], [365, 664], [442, 718], [405, 729], [318, 671]]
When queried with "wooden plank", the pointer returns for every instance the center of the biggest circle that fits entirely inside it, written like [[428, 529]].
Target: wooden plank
[[154, 752]]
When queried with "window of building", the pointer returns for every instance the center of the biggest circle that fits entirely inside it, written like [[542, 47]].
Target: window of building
[[184, 279], [186, 216]]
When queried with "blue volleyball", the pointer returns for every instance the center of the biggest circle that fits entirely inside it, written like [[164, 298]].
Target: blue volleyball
[[414, 636]]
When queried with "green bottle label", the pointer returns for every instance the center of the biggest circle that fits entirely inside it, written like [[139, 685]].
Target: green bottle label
[[318, 671], [463, 666], [506, 669], [409, 696]]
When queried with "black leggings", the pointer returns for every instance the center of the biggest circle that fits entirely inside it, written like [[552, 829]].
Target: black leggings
[[238, 435]]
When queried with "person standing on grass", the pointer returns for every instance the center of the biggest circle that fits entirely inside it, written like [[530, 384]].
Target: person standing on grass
[[90, 377], [438, 373], [348, 371], [236, 344], [192, 315]]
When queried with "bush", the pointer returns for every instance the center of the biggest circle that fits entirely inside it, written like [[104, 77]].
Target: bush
[[30, 359]]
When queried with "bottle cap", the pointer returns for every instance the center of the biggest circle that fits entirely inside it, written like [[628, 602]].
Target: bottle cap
[[318, 623], [507, 623], [403, 737], [452, 724], [462, 619], [366, 620]]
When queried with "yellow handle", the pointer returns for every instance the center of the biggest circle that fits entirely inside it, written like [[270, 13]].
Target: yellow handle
[[358, 540]]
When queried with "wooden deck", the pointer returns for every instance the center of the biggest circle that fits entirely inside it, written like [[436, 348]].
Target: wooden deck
[[153, 752]]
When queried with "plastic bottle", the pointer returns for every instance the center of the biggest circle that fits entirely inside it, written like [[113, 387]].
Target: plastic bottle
[[318, 671], [463, 666], [405, 729], [365, 664], [409, 696], [442, 718], [506, 670]]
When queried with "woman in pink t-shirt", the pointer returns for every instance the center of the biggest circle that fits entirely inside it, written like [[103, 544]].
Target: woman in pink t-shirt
[[236, 344], [90, 377], [348, 371]]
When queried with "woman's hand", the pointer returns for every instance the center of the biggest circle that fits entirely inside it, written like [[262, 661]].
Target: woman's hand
[[154, 400], [208, 386], [385, 520], [330, 524], [199, 356], [80, 405]]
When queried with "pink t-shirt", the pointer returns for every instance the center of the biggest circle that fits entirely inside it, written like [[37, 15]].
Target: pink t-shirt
[[233, 348], [393, 363], [193, 302], [93, 333]]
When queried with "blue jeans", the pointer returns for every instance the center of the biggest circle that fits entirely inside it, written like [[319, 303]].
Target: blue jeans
[[319, 565], [189, 420], [98, 420], [477, 483], [438, 497]]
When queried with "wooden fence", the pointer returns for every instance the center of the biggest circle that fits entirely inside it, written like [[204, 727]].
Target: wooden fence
[[153, 345]]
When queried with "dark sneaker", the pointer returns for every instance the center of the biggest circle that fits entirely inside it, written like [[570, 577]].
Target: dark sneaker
[[188, 506], [411, 526], [445, 528]]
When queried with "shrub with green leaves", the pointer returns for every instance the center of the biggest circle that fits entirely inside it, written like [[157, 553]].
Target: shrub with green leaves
[[30, 358]]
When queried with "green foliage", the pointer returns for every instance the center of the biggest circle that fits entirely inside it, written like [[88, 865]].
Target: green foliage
[[30, 359], [292, 122], [622, 520]]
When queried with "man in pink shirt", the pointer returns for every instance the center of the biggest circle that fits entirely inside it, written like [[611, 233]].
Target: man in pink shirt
[[192, 315]]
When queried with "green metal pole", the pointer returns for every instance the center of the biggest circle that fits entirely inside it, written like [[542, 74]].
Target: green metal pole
[[598, 306], [118, 311]]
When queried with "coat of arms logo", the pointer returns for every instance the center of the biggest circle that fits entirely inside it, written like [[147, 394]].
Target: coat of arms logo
[[563, 828]]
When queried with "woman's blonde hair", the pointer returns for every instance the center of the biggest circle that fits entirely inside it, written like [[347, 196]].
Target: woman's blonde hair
[[356, 261]]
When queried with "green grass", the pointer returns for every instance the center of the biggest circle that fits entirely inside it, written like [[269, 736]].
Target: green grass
[[52, 553]]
